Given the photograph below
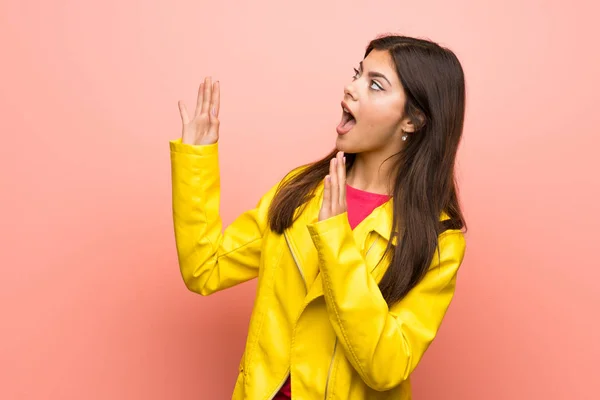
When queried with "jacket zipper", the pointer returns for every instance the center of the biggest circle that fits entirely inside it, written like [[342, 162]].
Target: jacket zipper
[[280, 386], [370, 247], [330, 368], [287, 240]]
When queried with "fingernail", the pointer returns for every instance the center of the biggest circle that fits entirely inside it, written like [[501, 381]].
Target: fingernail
[[214, 111], [344, 160], [335, 161]]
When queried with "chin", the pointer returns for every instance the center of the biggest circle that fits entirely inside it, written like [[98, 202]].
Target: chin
[[341, 144], [345, 143]]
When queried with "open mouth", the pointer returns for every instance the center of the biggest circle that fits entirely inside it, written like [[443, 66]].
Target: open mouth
[[347, 123]]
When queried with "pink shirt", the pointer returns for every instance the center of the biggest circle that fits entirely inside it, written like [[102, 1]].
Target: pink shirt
[[360, 204]]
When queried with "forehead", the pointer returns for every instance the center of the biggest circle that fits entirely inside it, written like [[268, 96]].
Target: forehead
[[381, 61]]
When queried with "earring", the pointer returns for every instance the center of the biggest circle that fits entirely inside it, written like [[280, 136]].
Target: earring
[[404, 137]]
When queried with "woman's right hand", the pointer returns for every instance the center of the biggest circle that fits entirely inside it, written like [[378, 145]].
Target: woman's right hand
[[203, 126]]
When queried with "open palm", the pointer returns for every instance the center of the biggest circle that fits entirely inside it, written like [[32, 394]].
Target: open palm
[[203, 127]]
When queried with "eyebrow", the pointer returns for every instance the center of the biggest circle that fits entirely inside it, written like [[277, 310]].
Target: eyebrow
[[374, 74]]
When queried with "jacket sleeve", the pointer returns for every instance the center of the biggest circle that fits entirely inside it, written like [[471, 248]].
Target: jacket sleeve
[[383, 344], [209, 259]]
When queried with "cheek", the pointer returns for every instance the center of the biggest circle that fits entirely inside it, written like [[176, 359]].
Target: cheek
[[385, 108], [382, 116]]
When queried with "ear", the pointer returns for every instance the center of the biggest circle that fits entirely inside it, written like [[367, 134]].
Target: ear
[[408, 125]]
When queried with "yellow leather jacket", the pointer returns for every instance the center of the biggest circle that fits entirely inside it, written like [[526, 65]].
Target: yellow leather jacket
[[318, 314]]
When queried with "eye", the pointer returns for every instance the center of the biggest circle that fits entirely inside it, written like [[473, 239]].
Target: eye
[[374, 84], [377, 86]]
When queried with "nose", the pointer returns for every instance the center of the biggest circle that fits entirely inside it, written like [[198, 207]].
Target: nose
[[349, 91]]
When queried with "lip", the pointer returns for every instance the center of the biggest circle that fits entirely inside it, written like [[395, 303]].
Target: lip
[[344, 105]]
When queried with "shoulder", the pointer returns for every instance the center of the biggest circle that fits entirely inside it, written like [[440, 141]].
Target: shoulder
[[452, 245]]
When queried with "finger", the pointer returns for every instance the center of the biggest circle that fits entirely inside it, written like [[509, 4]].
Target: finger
[[207, 93], [342, 179], [326, 206], [213, 129], [216, 99], [199, 99], [183, 112], [334, 185]]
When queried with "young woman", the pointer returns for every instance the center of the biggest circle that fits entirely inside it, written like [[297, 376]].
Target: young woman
[[357, 254]]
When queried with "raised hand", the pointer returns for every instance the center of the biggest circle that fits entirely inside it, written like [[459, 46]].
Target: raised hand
[[203, 127], [334, 194]]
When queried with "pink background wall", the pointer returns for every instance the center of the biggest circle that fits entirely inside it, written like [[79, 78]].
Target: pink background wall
[[91, 301]]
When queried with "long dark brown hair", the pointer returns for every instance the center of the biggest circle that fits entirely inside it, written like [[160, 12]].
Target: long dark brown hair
[[423, 173]]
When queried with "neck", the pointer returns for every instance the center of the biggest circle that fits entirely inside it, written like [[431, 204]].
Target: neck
[[371, 172]]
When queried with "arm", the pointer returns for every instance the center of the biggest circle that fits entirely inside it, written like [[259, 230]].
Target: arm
[[383, 344], [209, 259]]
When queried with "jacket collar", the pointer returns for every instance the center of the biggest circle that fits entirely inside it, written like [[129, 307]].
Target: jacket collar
[[380, 220]]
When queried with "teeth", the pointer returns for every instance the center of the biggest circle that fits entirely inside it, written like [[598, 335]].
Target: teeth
[[347, 111]]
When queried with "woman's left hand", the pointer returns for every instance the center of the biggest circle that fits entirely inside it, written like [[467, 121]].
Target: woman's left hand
[[334, 194]]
